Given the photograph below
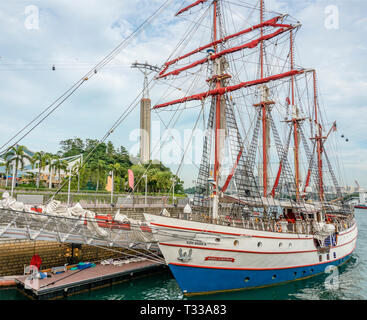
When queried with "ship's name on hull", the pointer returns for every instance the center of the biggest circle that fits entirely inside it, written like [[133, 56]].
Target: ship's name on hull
[[196, 243]]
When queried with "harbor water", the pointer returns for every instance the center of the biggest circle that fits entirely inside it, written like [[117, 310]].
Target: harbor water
[[349, 282]]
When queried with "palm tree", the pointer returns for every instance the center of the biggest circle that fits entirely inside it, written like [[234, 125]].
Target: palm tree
[[78, 168], [49, 159], [100, 168], [16, 156], [116, 168], [59, 165], [7, 168], [40, 158]]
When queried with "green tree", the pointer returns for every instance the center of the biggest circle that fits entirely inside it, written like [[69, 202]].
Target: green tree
[[60, 165], [49, 164], [16, 157], [99, 167], [117, 169], [39, 158], [71, 147]]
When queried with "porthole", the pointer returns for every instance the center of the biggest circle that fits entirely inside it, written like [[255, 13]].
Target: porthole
[[217, 240], [311, 270], [295, 273], [274, 276], [259, 244], [303, 272], [236, 243], [280, 245], [290, 245], [247, 279], [320, 258]]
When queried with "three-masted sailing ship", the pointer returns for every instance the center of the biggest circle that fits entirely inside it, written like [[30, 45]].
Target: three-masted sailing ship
[[269, 216]]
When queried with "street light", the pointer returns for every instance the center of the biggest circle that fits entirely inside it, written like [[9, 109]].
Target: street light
[[173, 191], [13, 180], [112, 187], [69, 186], [146, 188]]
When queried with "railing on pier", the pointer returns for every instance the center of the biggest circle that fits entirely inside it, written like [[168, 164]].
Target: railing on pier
[[43, 227]]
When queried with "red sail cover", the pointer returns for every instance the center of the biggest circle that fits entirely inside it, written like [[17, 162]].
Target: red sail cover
[[249, 45], [131, 179], [233, 171], [224, 90], [190, 6], [271, 22], [277, 180]]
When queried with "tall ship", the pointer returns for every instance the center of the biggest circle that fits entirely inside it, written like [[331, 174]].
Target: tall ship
[[268, 207]]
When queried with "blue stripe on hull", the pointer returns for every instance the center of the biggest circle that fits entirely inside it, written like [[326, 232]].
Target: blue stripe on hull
[[205, 280]]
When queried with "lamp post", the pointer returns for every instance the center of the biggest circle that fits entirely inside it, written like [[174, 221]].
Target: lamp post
[[13, 180], [112, 187], [50, 182], [81, 164], [173, 191], [7, 176], [146, 189], [69, 186]]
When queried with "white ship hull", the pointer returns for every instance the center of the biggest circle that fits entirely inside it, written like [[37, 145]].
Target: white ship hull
[[209, 258]]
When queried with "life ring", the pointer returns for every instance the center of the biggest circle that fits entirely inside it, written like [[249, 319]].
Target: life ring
[[278, 227]]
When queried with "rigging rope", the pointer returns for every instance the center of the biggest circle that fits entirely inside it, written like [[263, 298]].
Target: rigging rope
[[87, 76]]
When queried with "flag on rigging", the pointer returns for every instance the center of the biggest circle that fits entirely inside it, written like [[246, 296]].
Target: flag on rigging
[[109, 184], [131, 179]]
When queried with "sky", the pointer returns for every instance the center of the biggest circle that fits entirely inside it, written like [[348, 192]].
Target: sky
[[75, 35]]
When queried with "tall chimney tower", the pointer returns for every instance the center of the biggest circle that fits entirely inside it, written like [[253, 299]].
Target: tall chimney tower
[[145, 117]]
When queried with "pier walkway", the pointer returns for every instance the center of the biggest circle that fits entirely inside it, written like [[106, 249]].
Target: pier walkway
[[77, 281]]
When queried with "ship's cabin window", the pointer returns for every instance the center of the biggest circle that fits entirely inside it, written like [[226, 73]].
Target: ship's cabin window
[[274, 276], [334, 255], [217, 240], [320, 258], [236, 243], [259, 244], [290, 245], [247, 279], [328, 256], [280, 245]]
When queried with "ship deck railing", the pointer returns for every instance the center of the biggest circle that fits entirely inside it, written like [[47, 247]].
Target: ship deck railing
[[270, 225]]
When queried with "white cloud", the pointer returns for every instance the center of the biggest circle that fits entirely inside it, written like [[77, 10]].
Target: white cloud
[[74, 35]]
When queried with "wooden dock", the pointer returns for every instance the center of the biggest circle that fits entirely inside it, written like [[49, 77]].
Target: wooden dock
[[72, 282]]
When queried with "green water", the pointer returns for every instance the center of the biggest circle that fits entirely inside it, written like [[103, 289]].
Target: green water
[[162, 286]]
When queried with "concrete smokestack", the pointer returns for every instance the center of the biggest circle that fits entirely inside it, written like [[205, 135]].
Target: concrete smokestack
[[145, 130]]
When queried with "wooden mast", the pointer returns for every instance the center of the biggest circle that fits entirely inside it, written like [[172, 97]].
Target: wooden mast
[[218, 97], [264, 110], [295, 121], [319, 141]]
